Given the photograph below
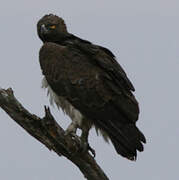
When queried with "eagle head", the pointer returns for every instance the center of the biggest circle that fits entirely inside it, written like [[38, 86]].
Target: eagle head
[[51, 28]]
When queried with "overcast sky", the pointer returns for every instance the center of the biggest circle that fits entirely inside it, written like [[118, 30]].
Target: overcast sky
[[144, 35]]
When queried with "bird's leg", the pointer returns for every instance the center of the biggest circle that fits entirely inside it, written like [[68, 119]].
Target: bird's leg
[[84, 135], [84, 138], [71, 128]]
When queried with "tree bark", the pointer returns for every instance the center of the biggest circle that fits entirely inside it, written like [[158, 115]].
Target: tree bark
[[48, 132]]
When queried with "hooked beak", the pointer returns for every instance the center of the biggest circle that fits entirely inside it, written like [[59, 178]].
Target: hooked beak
[[43, 29]]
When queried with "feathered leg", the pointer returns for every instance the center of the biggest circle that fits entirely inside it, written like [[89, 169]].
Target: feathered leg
[[72, 128], [85, 127]]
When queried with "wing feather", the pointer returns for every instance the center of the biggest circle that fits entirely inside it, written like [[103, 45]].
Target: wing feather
[[78, 76]]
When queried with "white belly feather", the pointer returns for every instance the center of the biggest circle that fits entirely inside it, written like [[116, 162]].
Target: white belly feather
[[67, 108], [62, 103]]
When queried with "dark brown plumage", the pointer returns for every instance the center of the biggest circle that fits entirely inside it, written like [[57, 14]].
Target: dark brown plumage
[[88, 77]]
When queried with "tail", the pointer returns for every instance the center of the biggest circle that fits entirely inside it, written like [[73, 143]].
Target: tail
[[128, 141]]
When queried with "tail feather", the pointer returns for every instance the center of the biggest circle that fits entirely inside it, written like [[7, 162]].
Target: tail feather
[[123, 151], [128, 141]]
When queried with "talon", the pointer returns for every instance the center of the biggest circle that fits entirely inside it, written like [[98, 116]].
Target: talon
[[92, 151], [67, 133], [85, 147], [82, 146], [74, 144]]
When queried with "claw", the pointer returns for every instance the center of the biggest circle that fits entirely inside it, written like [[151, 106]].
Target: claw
[[72, 134], [92, 151], [82, 146], [85, 147], [81, 142], [73, 145]]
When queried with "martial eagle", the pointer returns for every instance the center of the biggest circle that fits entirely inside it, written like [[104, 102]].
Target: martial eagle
[[89, 85]]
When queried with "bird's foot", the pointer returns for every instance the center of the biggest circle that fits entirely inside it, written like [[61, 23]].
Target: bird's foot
[[71, 133], [90, 149], [79, 144], [71, 130], [74, 144], [85, 147]]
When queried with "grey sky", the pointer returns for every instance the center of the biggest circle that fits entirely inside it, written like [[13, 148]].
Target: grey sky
[[144, 35]]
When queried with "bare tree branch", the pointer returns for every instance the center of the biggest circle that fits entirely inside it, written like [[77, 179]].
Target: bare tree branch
[[49, 133]]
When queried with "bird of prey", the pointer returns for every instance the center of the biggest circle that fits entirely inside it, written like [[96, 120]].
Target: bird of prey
[[90, 86]]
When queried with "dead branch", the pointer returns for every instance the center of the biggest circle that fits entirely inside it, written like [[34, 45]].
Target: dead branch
[[48, 132]]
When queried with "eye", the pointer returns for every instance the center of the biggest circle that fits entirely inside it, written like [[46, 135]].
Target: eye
[[52, 27]]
